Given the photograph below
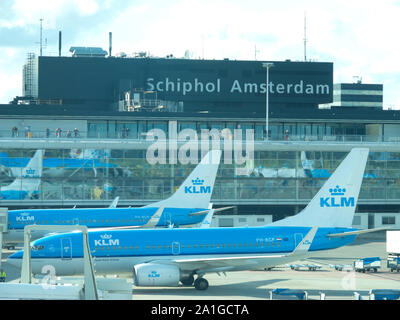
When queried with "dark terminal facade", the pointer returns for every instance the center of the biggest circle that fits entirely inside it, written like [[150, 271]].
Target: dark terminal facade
[[229, 87]]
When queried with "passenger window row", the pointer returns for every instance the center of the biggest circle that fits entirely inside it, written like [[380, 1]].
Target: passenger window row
[[189, 246], [84, 222]]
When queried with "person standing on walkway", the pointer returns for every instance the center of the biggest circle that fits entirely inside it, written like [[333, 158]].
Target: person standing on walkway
[[14, 132], [2, 276]]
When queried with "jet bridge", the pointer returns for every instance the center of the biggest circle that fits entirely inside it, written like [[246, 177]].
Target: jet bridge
[[90, 292], [3, 228], [92, 288]]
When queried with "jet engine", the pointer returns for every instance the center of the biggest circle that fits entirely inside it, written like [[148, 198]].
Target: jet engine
[[155, 275]]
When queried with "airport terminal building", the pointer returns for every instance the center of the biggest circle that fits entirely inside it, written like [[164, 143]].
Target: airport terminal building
[[106, 107]]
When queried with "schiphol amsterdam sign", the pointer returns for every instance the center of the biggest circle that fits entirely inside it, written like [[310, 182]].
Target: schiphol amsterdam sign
[[185, 87]]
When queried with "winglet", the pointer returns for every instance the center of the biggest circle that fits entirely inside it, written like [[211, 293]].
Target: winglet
[[154, 219], [305, 244], [114, 203], [206, 223]]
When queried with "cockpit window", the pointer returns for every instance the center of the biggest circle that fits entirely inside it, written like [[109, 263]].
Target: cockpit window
[[37, 248]]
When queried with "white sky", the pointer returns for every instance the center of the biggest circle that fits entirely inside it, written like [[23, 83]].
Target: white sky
[[358, 36]]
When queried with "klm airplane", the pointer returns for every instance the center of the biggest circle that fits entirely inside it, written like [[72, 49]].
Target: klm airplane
[[187, 206], [165, 257], [27, 182], [308, 170], [88, 160], [311, 172]]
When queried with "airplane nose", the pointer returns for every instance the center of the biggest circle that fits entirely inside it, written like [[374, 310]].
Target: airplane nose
[[15, 259]]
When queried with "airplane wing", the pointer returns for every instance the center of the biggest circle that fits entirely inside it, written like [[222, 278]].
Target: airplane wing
[[230, 262], [198, 213], [204, 265]]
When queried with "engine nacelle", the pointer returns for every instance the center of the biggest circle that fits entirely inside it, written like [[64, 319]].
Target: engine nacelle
[[155, 275]]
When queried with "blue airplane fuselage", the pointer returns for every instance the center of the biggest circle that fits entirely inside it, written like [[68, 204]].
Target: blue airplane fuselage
[[102, 217], [15, 194], [162, 243]]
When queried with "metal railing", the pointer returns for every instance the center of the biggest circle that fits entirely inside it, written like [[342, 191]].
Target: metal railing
[[70, 134]]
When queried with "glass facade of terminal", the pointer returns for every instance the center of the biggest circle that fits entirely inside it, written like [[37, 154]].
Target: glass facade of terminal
[[273, 176], [277, 130]]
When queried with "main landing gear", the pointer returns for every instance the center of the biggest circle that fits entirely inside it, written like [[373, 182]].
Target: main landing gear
[[188, 281], [200, 283]]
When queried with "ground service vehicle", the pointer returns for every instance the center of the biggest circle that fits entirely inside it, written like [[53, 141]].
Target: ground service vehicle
[[393, 249], [367, 264]]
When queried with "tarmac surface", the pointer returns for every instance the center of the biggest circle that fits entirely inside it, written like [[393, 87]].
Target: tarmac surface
[[257, 284]]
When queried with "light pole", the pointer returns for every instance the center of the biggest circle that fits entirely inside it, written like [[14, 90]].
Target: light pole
[[267, 65]]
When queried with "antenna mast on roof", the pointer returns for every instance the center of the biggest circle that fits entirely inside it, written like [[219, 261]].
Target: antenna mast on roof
[[255, 52], [41, 38]]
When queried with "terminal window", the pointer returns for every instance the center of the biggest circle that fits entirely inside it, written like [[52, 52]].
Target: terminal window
[[389, 220], [357, 220]]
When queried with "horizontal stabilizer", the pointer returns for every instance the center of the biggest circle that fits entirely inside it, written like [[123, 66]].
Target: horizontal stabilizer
[[351, 233], [199, 213]]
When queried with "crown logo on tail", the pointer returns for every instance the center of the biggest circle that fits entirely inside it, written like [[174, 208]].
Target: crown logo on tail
[[198, 182], [337, 191]]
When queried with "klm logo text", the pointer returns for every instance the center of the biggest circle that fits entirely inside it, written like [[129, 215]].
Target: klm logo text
[[198, 187], [24, 218], [106, 241], [337, 199]]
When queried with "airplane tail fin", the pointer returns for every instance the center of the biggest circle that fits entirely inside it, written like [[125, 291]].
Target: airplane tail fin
[[196, 190], [31, 174], [34, 168], [335, 203]]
